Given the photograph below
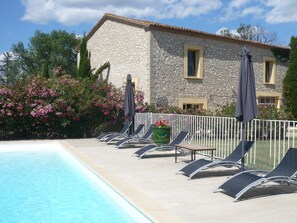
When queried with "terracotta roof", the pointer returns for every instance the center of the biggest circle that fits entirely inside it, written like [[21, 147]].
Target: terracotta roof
[[147, 25]]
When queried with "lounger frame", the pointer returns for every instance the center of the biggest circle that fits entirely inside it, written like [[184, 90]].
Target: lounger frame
[[232, 160], [152, 147], [145, 139], [265, 176]]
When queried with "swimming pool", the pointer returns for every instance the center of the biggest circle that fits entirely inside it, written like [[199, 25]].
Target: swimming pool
[[41, 182]]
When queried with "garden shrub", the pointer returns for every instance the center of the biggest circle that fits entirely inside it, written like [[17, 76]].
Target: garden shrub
[[175, 110], [227, 110], [61, 107], [265, 112], [65, 107]]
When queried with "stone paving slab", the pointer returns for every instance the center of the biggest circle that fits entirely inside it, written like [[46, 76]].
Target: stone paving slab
[[153, 186]]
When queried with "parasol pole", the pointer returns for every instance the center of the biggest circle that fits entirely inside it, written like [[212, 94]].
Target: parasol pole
[[242, 145]]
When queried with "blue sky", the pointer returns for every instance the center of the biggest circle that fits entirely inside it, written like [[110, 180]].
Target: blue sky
[[19, 19]]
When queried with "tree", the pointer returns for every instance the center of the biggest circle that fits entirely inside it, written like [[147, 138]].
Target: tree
[[45, 70], [246, 31], [56, 49], [263, 35], [226, 32], [290, 81], [4, 67], [99, 71], [249, 32], [84, 69], [8, 73]]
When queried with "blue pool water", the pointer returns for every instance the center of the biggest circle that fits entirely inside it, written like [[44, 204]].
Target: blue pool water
[[39, 184]]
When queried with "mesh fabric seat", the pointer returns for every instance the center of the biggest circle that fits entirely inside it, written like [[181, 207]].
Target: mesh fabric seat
[[105, 135], [133, 140], [115, 138], [240, 183], [149, 148], [202, 164]]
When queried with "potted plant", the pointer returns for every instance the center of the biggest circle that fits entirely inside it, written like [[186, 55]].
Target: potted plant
[[161, 132]]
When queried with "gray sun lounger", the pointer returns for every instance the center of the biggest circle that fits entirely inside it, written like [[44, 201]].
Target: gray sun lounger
[[130, 140], [149, 148], [124, 130], [202, 164], [115, 138], [240, 183]]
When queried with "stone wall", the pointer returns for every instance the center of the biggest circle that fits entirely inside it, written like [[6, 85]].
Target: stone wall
[[127, 49], [221, 69], [155, 59]]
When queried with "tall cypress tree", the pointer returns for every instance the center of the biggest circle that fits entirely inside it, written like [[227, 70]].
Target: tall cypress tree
[[84, 69], [290, 80], [45, 70]]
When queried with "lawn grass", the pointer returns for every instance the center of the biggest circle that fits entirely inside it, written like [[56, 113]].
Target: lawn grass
[[264, 155], [268, 153]]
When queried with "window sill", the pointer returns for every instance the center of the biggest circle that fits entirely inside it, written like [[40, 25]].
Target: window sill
[[194, 78], [267, 83]]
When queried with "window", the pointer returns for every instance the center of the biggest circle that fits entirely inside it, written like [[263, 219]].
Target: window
[[192, 65], [193, 61], [269, 70], [192, 103], [269, 99], [187, 106]]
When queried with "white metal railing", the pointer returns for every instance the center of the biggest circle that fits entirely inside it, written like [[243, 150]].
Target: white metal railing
[[272, 138]]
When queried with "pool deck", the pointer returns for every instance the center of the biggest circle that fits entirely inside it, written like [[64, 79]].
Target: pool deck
[[152, 185]]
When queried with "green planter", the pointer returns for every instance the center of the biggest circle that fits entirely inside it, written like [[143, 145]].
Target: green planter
[[161, 135]]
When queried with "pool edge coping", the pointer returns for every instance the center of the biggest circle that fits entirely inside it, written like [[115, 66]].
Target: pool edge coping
[[155, 212]]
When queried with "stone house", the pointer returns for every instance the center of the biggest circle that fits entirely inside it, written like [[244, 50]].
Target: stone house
[[184, 67]]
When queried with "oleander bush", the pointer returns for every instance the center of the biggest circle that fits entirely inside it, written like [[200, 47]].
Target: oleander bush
[[61, 107]]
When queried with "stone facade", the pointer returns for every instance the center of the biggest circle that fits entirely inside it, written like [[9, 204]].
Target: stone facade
[[127, 49], [155, 59], [221, 70]]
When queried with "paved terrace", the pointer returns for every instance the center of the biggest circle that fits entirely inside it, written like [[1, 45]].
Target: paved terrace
[[152, 185]]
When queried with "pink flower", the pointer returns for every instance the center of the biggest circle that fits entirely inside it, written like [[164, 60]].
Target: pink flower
[[10, 105], [6, 92], [162, 123], [20, 107]]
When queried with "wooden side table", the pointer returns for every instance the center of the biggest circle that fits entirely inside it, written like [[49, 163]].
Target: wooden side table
[[193, 149]]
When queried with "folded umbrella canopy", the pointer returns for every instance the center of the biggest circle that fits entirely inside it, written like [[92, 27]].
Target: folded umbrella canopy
[[246, 105], [129, 101]]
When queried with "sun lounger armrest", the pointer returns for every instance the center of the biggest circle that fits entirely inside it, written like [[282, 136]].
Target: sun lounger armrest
[[256, 171], [161, 147]]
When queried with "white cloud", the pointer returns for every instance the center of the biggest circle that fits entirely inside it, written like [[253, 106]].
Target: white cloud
[[43, 11], [281, 11], [232, 31], [237, 3], [254, 10], [185, 8], [272, 11], [232, 10], [71, 12]]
